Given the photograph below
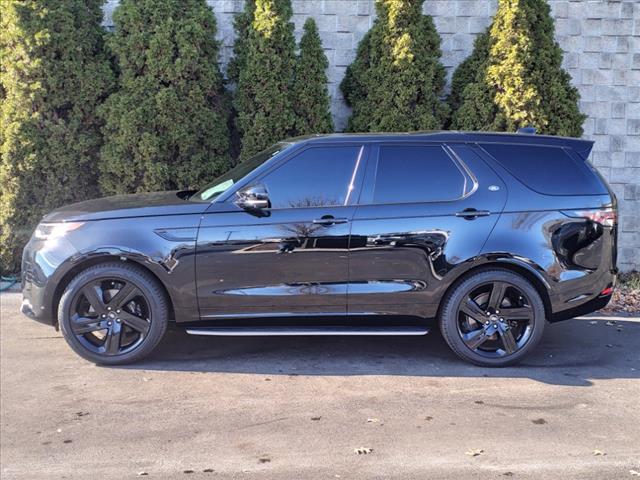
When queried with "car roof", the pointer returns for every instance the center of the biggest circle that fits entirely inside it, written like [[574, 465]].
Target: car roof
[[581, 146]]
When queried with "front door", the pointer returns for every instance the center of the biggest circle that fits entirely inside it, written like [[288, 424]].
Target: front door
[[292, 258], [425, 209]]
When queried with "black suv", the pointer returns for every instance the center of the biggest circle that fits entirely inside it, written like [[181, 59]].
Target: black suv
[[491, 235]]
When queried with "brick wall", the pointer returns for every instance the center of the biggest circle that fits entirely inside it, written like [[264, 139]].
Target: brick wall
[[601, 41]]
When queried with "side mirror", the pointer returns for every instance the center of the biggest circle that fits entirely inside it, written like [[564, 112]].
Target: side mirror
[[253, 197]]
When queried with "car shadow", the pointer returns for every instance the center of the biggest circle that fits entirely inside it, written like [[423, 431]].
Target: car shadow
[[573, 353]]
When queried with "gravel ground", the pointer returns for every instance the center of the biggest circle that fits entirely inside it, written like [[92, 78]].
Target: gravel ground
[[294, 408]]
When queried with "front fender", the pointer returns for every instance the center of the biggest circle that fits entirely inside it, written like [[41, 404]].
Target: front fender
[[164, 246]]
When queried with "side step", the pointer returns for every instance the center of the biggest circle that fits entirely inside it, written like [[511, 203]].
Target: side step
[[292, 331]]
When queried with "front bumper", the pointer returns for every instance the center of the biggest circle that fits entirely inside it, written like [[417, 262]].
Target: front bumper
[[41, 272]]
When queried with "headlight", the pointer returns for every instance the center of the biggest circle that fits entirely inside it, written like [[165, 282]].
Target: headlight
[[48, 231]]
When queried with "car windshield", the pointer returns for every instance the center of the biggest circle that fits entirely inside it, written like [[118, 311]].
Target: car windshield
[[226, 181]]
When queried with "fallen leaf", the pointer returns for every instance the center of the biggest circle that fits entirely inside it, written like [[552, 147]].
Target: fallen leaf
[[363, 450], [507, 474], [475, 452], [188, 471], [142, 474], [428, 419], [539, 421], [315, 419], [264, 460], [67, 441], [208, 470], [611, 323]]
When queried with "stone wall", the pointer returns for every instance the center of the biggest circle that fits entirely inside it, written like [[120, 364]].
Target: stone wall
[[601, 41]]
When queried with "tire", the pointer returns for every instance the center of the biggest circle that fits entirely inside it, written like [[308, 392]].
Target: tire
[[126, 340], [509, 308]]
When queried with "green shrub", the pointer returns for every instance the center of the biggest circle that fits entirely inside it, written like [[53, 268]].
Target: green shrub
[[467, 70], [396, 80], [54, 73], [310, 93], [263, 98], [242, 26], [166, 125], [519, 78]]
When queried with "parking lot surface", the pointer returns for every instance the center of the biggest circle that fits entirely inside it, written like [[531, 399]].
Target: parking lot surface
[[297, 408]]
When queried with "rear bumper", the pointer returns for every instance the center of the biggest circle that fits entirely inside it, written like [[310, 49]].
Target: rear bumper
[[583, 295], [588, 307]]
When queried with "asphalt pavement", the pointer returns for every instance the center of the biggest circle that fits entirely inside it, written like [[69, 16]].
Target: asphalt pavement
[[321, 407]]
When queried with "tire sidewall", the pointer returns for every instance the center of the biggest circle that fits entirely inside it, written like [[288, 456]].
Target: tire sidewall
[[449, 317], [152, 292]]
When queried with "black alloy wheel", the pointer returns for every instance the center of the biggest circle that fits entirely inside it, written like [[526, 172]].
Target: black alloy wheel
[[113, 313], [493, 318]]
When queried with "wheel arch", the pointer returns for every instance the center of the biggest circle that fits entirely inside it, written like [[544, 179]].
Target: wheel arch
[[513, 265], [97, 260]]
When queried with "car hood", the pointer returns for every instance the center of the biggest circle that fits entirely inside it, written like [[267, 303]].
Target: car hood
[[125, 206]]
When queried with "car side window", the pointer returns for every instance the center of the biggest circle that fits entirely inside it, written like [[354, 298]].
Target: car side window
[[316, 177], [546, 169], [416, 174]]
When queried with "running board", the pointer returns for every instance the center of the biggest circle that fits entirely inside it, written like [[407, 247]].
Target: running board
[[292, 331]]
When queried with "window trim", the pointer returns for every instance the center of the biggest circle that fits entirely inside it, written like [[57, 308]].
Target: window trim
[[356, 178], [368, 190]]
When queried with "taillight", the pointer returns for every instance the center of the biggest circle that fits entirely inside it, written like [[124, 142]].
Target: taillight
[[605, 216], [607, 291]]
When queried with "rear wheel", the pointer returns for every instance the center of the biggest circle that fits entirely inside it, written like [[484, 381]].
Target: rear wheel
[[113, 313], [493, 318]]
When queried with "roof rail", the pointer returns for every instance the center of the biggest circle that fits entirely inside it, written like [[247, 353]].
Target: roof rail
[[527, 131]]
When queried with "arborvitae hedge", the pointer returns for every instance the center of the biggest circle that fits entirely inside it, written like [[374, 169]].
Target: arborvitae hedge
[[520, 80], [54, 73], [242, 26], [396, 80], [310, 93], [166, 126], [263, 98], [468, 70]]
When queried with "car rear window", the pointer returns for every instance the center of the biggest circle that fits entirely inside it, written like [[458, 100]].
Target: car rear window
[[548, 170], [416, 174]]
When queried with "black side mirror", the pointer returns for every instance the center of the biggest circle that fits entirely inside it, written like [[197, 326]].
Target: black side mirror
[[253, 197]]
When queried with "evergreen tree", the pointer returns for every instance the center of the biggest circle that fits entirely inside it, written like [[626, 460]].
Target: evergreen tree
[[53, 75], [520, 81], [166, 126], [242, 26], [310, 93], [396, 80], [263, 98], [467, 70]]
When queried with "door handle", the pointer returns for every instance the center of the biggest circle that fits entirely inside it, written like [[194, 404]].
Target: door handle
[[329, 220], [472, 213]]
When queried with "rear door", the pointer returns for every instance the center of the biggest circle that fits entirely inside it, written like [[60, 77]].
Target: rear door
[[425, 209]]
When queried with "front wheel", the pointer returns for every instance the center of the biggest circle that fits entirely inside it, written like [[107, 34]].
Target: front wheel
[[493, 318], [113, 313]]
